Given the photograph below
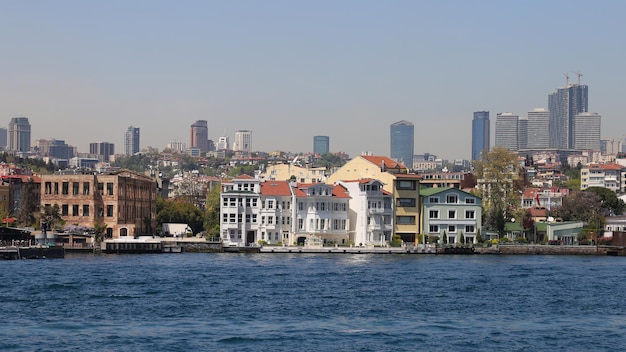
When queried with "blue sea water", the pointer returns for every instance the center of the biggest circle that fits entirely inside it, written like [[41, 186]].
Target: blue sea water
[[313, 302]]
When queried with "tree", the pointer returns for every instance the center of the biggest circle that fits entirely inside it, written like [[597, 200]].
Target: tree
[[500, 178], [29, 204], [178, 211], [99, 229], [580, 206], [609, 202], [212, 218], [52, 216]]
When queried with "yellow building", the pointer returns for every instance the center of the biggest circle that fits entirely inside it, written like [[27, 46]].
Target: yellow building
[[283, 172], [396, 180]]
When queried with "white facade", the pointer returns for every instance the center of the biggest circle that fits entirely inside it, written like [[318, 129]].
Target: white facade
[[240, 203], [322, 214], [538, 129], [371, 212], [507, 131], [587, 131], [223, 143], [243, 141]]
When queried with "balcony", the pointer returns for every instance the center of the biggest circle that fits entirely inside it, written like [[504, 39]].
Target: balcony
[[373, 211]]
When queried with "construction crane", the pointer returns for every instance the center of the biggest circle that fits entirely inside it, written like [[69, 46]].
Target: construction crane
[[566, 79], [577, 73]]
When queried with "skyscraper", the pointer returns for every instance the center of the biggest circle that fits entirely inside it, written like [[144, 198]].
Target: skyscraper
[[402, 142], [538, 129], [564, 104], [200, 136], [3, 137], [19, 134], [481, 134], [321, 144], [507, 131], [587, 127], [102, 150], [131, 140], [243, 141]]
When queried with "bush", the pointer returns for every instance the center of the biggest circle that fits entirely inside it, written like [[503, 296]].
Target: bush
[[396, 241]]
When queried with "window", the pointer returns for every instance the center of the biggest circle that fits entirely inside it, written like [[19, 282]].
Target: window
[[65, 188], [75, 210], [232, 218], [300, 206], [470, 214], [48, 188], [100, 211], [64, 210], [451, 229], [75, 186], [433, 214], [109, 210], [322, 206], [470, 228], [452, 199], [451, 214], [86, 188], [470, 201], [248, 217], [254, 218], [407, 185], [270, 204], [85, 210], [56, 188], [433, 228], [433, 200], [300, 224], [110, 188], [405, 220], [405, 202], [270, 220], [100, 188]]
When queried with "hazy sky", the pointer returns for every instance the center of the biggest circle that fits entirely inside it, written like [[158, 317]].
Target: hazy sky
[[83, 71]]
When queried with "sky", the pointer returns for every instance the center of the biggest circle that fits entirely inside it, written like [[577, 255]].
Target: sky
[[83, 71]]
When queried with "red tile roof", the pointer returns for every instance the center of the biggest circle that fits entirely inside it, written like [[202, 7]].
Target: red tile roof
[[340, 192], [275, 188], [378, 161]]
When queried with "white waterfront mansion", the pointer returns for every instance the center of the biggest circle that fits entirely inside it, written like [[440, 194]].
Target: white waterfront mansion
[[282, 212]]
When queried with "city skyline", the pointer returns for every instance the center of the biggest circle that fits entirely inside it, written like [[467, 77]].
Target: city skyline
[[274, 66]]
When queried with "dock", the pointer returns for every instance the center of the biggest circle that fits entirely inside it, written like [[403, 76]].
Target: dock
[[31, 252]]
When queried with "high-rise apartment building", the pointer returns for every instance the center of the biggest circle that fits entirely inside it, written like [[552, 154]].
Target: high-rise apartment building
[[3, 137], [131, 140], [564, 104], [200, 135], [223, 143], [402, 142], [19, 134], [102, 150], [587, 127], [481, 134], [243, 141], [538, 129], [507, 131], [321, 145]]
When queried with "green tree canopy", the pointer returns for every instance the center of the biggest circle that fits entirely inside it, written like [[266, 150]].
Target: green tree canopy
[[609, 202], [178, 211]]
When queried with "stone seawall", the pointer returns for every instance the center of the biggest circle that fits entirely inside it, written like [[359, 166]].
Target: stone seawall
[[210, 247], [547, 250]]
